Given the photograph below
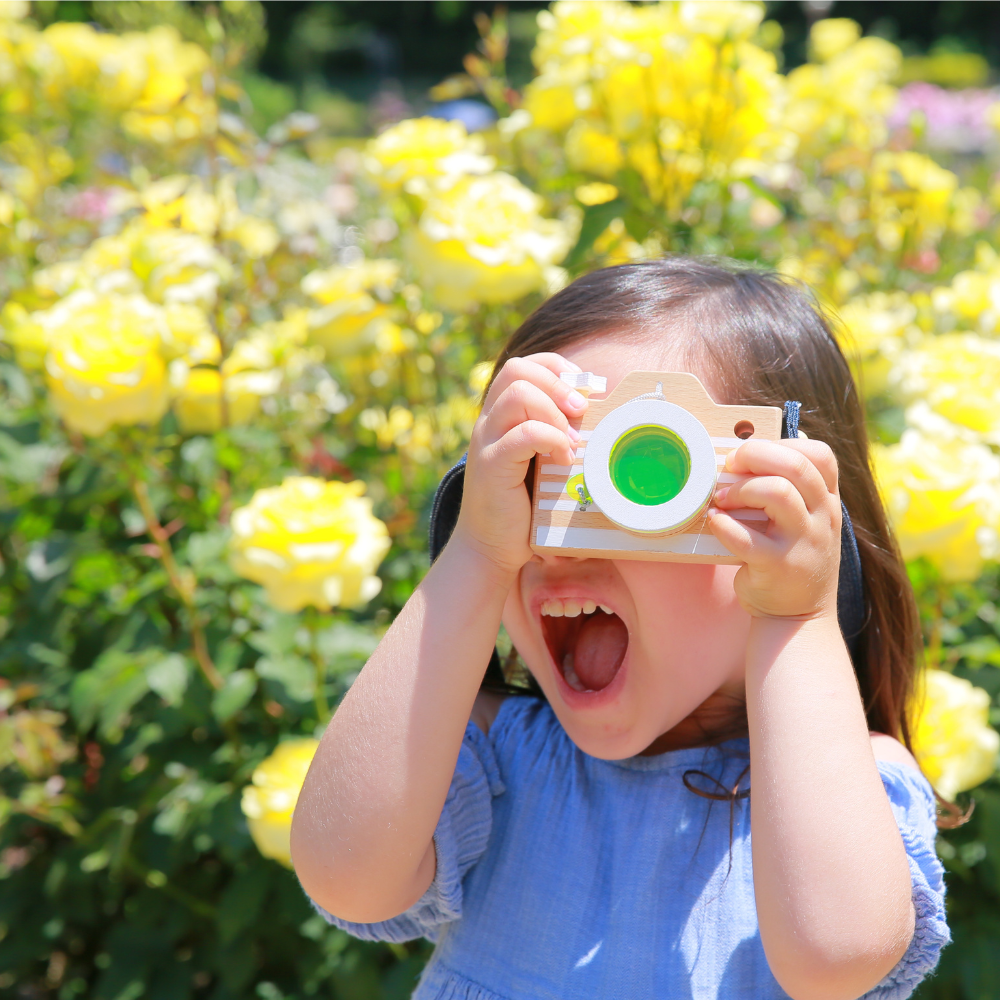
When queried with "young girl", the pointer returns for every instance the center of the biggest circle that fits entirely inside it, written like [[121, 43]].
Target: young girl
[[596, 836]]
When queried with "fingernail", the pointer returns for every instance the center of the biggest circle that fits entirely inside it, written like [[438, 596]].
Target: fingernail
[[720, 495], [576, 400], [573, 434]]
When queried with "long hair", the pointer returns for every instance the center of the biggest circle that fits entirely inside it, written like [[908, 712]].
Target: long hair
[[760, 340]]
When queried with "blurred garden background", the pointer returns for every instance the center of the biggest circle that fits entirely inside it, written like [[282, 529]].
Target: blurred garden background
[[255, 259]]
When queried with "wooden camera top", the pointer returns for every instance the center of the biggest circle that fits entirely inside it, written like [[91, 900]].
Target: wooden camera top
[[646, 471]]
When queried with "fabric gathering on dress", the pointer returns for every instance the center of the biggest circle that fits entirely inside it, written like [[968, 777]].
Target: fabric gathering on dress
[[561, 876]]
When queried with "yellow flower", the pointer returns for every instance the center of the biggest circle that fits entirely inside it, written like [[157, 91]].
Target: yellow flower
[[420, 150], [198, 402], [952, 738], [104, 364], [354, 301], [676, 91], [911, 194], [593, 151], [552, 106], [831, 36], [25, 335], [958, 375], [942, 491], [843, 101], [310, 542], [269, 802], [484, 240], [873, 331], [596, 193], [178, 267], [257, 237], [721, 19]]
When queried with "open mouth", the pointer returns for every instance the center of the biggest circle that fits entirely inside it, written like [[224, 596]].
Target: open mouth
[[588, 641]]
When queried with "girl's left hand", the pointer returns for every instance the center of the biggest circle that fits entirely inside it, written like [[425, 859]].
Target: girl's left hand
[[791, 570]]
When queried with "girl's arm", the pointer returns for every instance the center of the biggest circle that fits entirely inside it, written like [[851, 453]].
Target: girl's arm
[[363, 826], [831, 878]]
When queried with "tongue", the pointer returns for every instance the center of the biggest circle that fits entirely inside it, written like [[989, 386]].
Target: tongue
[[600, 648]]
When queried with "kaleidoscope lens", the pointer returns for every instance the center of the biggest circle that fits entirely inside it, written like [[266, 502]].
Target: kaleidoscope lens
[[649, 465]]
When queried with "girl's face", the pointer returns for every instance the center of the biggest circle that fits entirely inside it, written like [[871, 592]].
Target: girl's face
[[634, 647]]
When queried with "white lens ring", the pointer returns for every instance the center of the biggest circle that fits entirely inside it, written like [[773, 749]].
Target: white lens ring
[[674, 514]]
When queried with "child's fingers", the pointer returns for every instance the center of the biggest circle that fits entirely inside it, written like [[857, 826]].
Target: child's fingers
[[769, 458], [523, 401], [542, 370], [743, 542], [774, 495], [525, 440]]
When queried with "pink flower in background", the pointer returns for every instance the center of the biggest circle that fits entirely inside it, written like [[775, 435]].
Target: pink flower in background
[[92, 204], [953, 119]]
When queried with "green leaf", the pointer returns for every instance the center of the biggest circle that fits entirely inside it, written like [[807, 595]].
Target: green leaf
[[27, 463], [107, 691], [169, 678], [596, 219], [234, 695], [241, 902], [295, 674], [345, 646], [279, 636]]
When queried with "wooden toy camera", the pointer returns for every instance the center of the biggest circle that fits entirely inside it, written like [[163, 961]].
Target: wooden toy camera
[[647, 469]]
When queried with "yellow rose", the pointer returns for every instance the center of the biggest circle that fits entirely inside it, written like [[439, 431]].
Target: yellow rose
[[843, 102], [721, 19], [104, 364], [269, 802], [25, 335], [596, 193], [909, 193], [958, 375], [831, 36], [593, 151], [873, 331], [942, 492], [198, 402], [952, 738], [353, 300], [418, 150], [310, 542], [257, 237], [552, 106], [176, 266], [484, 240]]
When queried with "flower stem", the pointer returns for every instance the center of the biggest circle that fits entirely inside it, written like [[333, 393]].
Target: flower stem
[[183, 587]]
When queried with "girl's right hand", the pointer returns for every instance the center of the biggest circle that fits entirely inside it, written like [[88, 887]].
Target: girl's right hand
[[527, 412]]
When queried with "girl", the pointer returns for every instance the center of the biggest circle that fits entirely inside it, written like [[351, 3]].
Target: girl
[[596, 837]]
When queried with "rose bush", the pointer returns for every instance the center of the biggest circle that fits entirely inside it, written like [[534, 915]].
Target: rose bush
[[235, 367]]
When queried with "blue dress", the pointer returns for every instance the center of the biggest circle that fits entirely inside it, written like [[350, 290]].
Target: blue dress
[[564, 877]]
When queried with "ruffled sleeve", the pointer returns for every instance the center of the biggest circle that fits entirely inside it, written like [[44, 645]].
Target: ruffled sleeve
[[913, 805], [459, 842]]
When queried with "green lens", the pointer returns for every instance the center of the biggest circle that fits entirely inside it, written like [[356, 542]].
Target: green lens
[[649, 465]]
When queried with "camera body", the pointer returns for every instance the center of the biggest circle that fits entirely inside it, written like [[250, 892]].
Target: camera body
[[646, 471]]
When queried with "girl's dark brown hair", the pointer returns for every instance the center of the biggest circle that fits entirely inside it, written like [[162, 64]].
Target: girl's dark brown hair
[[759, 339]]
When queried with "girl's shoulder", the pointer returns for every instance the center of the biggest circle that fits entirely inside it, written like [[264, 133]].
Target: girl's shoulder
[[520, 725], [888, 748]]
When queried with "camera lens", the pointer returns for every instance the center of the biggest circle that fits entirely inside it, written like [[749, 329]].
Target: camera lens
[[649, 465]]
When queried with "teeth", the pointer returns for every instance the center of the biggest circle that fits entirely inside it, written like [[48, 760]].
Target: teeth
[[554, 607], [570, 674]]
